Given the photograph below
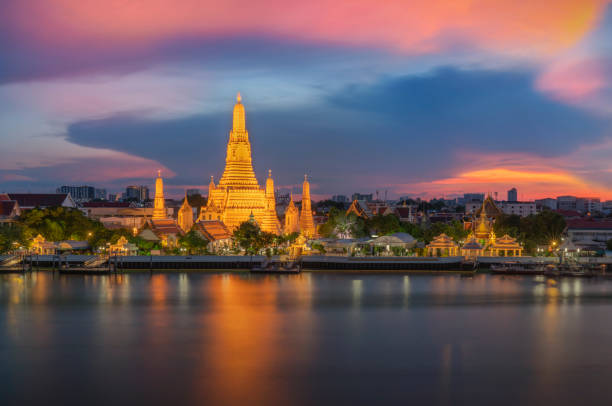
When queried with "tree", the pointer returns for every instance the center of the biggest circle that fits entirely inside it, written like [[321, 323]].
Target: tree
[[193, 242], [248, 236], [383, 225], [609, 245]]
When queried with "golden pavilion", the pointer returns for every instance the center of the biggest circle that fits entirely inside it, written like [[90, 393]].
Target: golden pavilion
[[442, 245]]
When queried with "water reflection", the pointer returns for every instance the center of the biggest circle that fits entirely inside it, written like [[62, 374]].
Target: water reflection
[[235, 338]]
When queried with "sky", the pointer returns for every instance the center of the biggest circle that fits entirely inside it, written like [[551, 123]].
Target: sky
[[416, 98]]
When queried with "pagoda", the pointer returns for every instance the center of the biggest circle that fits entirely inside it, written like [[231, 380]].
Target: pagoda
[[238, 194], [292, 218], [307, 227], [185, 215]]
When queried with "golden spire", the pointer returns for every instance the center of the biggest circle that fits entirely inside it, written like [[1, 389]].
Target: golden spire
[[306, 220], [159, 204], [238, 165], [239, 116]]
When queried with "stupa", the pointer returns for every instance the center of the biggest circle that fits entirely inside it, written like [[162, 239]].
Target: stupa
[[238, 194]]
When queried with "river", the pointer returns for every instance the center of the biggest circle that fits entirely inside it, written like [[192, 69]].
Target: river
[[314, 338]]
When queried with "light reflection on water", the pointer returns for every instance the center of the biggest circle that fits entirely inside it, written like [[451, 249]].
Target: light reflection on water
[[235, 338]]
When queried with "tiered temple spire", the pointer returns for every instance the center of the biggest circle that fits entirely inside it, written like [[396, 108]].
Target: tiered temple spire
[[159, 204], [185, 215], [307, 227]]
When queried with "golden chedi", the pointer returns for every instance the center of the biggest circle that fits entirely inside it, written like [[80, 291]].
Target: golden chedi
[[159, 203], [185, 216], [307, 227], [238, 194], [292, 218]]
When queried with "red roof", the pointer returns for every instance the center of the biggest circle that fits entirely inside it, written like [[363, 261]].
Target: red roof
[[4, 196], [568, 213], [7, 207], [39, 199], [589, 224], [213, 230], [106, 204], [403, 212]]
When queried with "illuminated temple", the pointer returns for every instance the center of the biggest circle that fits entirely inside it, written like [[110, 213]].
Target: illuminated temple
[[238, 195]]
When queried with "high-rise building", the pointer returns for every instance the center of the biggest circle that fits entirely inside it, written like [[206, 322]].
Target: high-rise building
[[100, 194], [566, 203], [548, 203], [360, 196], [340, 199], [139, 193], [78, 193], [512, 195]]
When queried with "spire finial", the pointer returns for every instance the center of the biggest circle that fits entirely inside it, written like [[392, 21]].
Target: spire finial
[[269, 173], [305, 177], [238, 98], [159, 173]]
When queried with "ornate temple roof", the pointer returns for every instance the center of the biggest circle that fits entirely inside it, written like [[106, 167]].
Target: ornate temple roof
[[442, 241], [505, 242], [472, 244], [490, 208]]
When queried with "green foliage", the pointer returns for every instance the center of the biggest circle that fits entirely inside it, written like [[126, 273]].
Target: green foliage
[[341, 225], [252, 240], [609, 245], [319, 247], [534, 230], [12, 237], [194, 243], [383, 225]]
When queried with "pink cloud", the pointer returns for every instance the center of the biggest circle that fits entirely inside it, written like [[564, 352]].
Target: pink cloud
[[12, 177], [574, 80], [416, 26]]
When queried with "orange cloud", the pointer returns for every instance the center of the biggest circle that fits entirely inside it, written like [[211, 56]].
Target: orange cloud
[[542, 26], [535, 177]]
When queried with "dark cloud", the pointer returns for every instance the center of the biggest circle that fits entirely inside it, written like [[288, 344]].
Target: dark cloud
[[399, 130]]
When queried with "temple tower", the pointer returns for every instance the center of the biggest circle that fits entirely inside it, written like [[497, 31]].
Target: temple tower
[[238, 196], [270, 221], [159, 204], [292, 218], [238, 164], [307, 227], [185, 216]]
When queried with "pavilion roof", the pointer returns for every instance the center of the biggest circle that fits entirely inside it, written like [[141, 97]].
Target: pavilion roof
[[442, 241]]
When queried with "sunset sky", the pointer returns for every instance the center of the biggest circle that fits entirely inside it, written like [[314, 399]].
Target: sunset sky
[[424, 98]]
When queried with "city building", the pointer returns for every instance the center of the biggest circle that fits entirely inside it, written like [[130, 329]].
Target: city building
[[193, 192], [588, 233], [78, 193], [588, 205], [470, 198], [364, 197], [522, 209], [340, 199], [100, 194], [29, 201], [512, 195], [566, 202], [546, 203], [138, 193]]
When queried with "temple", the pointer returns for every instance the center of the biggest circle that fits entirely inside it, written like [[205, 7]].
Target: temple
[[292, 218], [185, 216], [307, 227], [159, 204], [238, 194]]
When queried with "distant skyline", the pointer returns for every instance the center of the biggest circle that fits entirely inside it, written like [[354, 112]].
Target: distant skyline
[[418, 98]]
